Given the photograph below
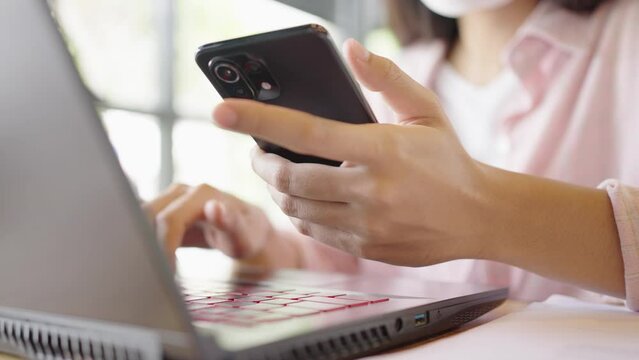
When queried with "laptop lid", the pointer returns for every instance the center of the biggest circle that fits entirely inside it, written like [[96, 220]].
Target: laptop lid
[[73, 239]]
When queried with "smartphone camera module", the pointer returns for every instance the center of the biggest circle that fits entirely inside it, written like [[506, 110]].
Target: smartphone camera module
[[244, 76]]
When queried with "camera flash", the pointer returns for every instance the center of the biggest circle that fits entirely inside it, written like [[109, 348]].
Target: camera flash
[[266, 86]]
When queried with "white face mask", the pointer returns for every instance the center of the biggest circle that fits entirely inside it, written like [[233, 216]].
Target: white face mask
[[458, 8]]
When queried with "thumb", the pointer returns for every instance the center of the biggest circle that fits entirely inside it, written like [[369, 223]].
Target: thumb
[[412, 102]]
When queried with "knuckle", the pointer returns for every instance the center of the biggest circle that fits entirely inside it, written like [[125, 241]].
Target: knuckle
[[255, 163], [167, 220], [303, 227], [178, 188], [289, 205], [392, 72], [282, 181], [162, 219], [203, 189]]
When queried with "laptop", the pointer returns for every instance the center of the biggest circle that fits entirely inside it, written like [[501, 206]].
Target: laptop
[[82, 275]]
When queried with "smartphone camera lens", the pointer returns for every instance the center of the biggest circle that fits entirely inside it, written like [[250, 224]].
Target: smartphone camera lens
[[226, 73]]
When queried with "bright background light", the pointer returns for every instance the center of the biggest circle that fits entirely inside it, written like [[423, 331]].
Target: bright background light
[[116, 45]]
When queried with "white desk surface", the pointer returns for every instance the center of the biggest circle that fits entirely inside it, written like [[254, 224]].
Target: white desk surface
[[559, 328]]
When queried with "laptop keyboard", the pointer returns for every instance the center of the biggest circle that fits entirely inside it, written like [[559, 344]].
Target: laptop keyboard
[[247, 306]]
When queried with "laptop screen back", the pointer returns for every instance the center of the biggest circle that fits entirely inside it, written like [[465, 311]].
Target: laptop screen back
[[73, 240]]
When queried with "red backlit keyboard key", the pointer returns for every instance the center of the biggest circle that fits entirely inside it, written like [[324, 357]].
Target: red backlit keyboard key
[[279, 301], [209, 301], [229, 296], [270, 317], [317, 306], [212, 312], [345, 302], [265, 306], [371, 299], [268, 294], [244, 314], [236, 304], [253, 298], [327, 294], [291, 296], [293, 311]]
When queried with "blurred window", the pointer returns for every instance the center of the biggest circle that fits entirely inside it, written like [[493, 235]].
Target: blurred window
[[137, 58]]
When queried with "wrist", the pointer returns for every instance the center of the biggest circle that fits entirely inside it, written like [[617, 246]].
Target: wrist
[[496, 214], [557, 230]]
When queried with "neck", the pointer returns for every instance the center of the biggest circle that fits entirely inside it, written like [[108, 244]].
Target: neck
[[483, 35]]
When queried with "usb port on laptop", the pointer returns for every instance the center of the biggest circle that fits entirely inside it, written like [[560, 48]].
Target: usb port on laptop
[[421, 319]]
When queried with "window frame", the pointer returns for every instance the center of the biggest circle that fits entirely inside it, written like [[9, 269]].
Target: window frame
[[355, 17]]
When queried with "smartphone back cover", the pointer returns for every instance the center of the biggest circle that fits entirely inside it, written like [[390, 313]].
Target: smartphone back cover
[[309, 72]]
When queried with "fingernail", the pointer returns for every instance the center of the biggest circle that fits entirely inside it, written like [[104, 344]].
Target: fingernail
[[359, 51], [224, 116]]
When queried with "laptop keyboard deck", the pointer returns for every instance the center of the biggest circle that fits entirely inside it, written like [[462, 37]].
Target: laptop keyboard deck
[[248, 305]]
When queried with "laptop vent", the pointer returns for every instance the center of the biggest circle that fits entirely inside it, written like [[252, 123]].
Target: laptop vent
[[473, 313], [346, 345], [32, 341]]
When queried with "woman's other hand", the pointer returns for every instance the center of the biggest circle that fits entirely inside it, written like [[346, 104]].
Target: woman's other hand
[[204, 216]]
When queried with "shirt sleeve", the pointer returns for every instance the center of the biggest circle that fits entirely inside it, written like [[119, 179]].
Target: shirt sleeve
[[625, 204]]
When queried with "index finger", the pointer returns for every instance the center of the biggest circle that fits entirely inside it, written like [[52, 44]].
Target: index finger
[[308, 181], [154, 207], [296, 130]]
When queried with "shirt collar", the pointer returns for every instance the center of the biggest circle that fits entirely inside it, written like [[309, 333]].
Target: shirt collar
[[549, 38], [561, 28], [531, 53], [550, 23]]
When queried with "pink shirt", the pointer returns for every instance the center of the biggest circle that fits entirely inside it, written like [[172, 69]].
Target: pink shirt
[[575, 119]]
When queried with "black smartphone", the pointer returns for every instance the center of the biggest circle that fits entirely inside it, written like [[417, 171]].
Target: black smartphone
[[298, 68]]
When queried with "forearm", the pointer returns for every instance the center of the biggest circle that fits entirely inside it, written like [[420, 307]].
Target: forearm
[[557, 230]]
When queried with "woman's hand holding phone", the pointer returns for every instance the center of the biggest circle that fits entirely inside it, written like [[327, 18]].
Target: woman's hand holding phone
[[409, 194]]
